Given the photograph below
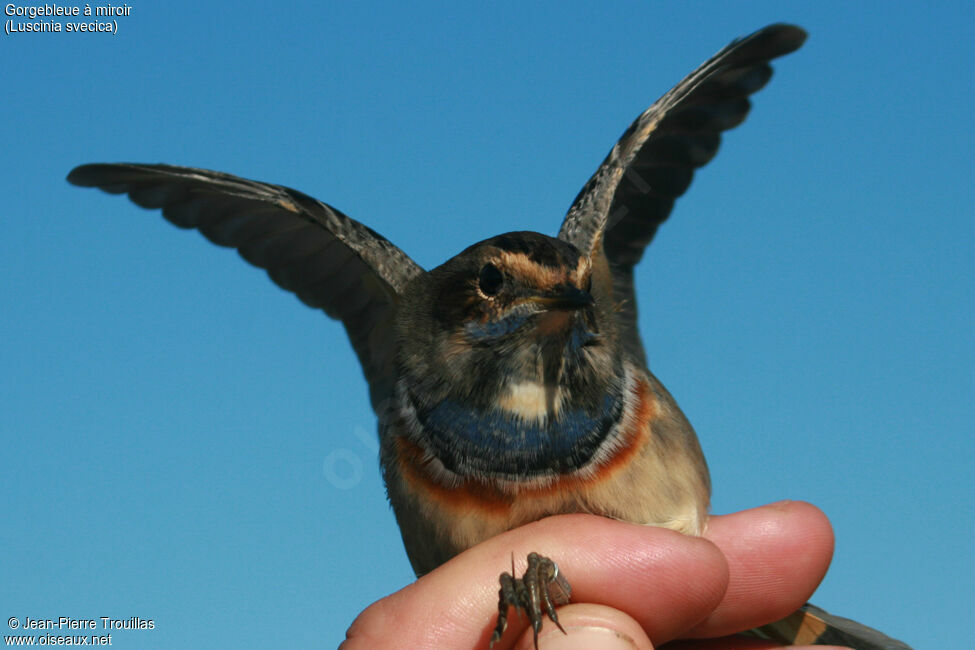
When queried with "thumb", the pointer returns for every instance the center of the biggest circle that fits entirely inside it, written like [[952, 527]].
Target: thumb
[[589, 626]]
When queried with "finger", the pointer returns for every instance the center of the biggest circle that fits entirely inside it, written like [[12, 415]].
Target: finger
[[741, 643], [777, 555], [587, 626], [666, 581]]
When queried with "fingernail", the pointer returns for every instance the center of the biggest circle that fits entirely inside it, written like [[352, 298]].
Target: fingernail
[[585, 638]]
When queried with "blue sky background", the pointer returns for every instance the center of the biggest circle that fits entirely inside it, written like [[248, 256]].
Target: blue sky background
[[185, 442]]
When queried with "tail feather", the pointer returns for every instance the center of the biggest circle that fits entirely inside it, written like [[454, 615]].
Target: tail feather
[[810, 625]]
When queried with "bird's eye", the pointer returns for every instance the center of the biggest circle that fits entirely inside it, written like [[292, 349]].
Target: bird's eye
[[489, 280]]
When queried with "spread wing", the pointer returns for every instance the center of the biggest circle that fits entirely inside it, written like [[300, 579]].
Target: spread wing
[[653, 163], [331, 262]]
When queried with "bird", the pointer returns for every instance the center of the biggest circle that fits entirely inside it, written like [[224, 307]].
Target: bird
[[511, 382]]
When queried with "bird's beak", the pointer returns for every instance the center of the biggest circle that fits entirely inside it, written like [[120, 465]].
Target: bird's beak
[[566, 298]]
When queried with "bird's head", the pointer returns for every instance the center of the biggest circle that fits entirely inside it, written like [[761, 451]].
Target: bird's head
[[515, 315]]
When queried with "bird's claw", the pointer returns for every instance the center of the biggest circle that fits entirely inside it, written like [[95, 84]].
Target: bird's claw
[[542, 586]]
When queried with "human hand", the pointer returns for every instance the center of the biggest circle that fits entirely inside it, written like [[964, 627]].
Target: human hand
[[630, 584]]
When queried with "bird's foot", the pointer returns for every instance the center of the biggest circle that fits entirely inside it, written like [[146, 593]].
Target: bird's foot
[[541, 586]]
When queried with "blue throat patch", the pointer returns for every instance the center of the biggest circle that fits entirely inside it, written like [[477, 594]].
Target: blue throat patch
[[469, 441]]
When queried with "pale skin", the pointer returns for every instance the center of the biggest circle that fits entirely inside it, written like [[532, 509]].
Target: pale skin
[[633, 586]]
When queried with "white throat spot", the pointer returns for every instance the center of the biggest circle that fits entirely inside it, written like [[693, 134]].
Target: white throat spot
[[531, 400]]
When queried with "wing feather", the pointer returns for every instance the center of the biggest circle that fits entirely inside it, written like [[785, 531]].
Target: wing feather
[[330, 261], [620, 208]]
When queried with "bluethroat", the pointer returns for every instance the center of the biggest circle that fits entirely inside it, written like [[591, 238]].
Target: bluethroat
[[510, 382]]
